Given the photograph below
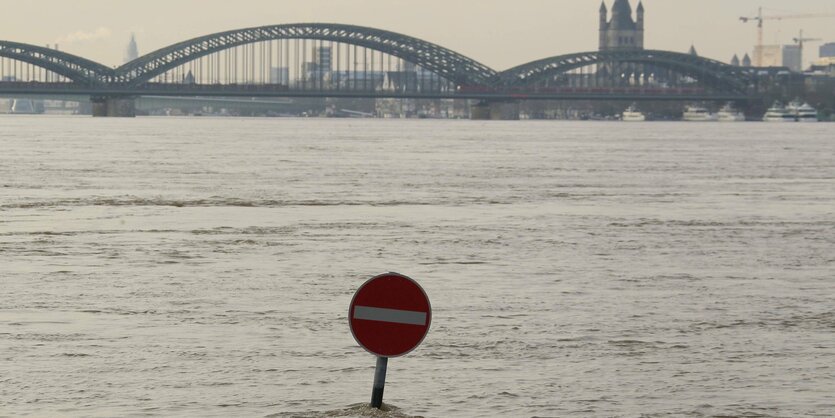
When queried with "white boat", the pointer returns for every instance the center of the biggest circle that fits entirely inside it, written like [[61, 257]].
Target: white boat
[[778, 113], [698, 114], [631, 114], [729, 114], [802, 112]]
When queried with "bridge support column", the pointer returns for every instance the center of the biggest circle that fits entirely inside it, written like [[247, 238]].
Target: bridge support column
[[753, 109], [110, 106], [495, 110]]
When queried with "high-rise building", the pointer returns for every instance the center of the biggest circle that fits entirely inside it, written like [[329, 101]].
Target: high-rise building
[[621, 31], [323, 58], [790, 56], [772, 55], [132, 51], [793, 57], [321, 67], [827, 50]]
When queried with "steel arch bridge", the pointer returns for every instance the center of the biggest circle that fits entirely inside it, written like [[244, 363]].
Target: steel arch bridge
[[458, 76], [711, 72], [442, 61], [73, 67]]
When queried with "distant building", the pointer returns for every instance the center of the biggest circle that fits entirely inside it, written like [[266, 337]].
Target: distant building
[[363, 79], [309, 68], [793, 57], [735, 60], [693, 51], [621, 31], [318, 70], [280, 75], [823, 70], [789, 56], [131, 52], [827, 50], [323, 56], [772, 55], [188, 78]]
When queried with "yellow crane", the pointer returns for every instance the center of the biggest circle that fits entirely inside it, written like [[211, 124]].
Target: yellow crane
[[759, 18]]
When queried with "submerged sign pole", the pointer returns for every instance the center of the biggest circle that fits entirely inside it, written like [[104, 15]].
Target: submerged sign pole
[[389, 316], [379, 382]]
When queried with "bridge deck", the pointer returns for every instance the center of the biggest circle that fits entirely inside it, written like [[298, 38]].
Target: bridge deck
[[181, 90]]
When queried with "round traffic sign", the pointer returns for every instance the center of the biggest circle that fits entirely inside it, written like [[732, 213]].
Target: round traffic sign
[[390, 315]]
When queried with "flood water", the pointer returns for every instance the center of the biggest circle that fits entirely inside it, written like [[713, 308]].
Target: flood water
[[204, 267]]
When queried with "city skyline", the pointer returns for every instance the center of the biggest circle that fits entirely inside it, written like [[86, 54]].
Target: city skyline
[[490, 33]]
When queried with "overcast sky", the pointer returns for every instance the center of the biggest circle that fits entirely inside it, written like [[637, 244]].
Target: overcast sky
[[499, 33]]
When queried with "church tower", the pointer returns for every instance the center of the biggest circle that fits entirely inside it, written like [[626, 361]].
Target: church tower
[[604, 17], [132, 51], [621, 32], [640, 22]]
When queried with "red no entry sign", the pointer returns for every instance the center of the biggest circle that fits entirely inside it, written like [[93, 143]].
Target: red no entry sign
[[390, 315]]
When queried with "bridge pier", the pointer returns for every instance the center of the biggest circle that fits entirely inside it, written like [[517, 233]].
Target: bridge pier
[[495, 110], [753, 109], [114, 106]]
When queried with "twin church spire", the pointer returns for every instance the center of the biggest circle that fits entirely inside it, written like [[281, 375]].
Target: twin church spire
[[621, 31]]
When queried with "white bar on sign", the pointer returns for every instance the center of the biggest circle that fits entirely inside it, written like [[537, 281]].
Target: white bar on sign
[[390, 315]]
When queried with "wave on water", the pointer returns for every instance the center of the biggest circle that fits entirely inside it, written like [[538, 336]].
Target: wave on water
[[358, 411], [205, 202]]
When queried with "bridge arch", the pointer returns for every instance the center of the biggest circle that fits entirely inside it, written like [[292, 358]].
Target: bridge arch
[[715, 73], [446, 63], [73, 67]]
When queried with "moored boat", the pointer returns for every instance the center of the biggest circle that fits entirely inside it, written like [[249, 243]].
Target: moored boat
[[631, 114], [728, 113], [803, 112], [778, 113], [698, 114]]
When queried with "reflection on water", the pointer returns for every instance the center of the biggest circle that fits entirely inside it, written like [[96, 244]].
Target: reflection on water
[[204, 267]]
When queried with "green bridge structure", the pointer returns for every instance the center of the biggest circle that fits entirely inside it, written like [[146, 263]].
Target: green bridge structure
[[317, 60]]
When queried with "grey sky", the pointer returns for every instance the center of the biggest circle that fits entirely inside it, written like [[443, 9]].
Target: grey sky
[[499, 33]]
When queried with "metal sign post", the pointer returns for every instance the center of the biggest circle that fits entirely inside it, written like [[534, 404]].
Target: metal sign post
[[379, 382]]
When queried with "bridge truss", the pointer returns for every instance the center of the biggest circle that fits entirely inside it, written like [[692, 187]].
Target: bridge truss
[[24, 62], [333, 60], [636, 68]]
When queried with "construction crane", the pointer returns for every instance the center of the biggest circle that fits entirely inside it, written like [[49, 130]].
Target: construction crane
[[759, 18], [800, 40]]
